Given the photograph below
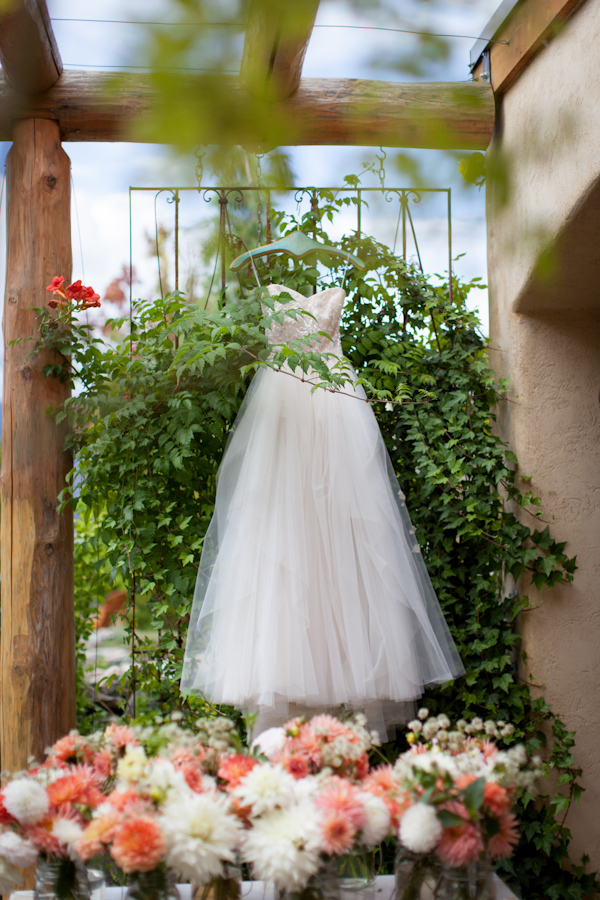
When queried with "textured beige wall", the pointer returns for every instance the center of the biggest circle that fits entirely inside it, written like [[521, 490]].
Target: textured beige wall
[[546, 338]]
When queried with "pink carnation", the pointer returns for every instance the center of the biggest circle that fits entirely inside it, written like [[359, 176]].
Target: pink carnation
[[138, 845]]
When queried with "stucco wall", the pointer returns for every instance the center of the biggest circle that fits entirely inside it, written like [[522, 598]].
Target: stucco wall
[[545, 336]]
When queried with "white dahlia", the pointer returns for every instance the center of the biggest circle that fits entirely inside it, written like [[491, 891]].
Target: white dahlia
[[420, 829], [378, 821], [265, 788], [26, 800], [270, 742], [17, 851], [283, 846], [164, 783], [200, 835]]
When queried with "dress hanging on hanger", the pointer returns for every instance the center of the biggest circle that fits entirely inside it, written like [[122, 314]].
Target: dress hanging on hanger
[[312, 593]]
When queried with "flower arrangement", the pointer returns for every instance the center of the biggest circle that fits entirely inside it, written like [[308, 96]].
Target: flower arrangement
[[307, 747], [459, 788], [160, 802]]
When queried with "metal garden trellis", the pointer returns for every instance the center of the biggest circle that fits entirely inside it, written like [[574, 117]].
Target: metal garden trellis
[[223, 194]]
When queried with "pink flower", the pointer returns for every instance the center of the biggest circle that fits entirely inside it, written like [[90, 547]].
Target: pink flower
[[79, 786], [120, 736], [126, 801], [72, 748], [97, 835], [297, 764], [337, 833], [383, 783], [138, 845], [460, 844], [506, 839], [233, 768], [340, 796], [103, 764], [189, 764], [332, 728], [41, 837], [496, 798]]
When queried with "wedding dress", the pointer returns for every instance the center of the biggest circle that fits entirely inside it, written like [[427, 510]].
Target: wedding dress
[[312, 593]]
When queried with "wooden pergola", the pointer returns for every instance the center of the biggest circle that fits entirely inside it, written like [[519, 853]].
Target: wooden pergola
[[42, 106]]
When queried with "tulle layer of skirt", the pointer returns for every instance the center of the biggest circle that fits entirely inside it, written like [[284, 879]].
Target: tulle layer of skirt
[[312, 593]]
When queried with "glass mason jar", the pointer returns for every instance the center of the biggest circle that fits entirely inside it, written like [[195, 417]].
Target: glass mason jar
[[160, 884], [60, 878], [358, 871], [325, 885], [472, 882], [416, 875], [227, 887]]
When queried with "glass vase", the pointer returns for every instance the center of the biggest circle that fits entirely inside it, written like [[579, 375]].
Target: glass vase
[[227, 887], [160, 884], [60, 878], [472, 882], [357, 871], [416, 875], [325, 885]]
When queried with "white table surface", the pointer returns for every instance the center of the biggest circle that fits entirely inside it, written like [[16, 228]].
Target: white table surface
[[257, 890]]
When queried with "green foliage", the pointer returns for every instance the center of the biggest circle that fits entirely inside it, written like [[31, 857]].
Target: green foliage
[[150, 425], [93, 579]]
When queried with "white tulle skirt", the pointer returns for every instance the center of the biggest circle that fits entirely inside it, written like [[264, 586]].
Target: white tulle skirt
[[312, 593]]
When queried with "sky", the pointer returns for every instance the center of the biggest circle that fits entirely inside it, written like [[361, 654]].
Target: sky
[[103, 173]]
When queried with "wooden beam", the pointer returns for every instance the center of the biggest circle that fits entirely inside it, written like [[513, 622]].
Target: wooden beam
[[29, 54], [277, 35], [321, 112], [37, 651], [528, 29]]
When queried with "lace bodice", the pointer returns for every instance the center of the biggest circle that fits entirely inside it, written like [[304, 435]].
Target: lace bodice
[[326, 307]]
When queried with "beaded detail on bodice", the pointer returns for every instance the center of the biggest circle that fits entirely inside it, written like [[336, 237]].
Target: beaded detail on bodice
[[326, 307]]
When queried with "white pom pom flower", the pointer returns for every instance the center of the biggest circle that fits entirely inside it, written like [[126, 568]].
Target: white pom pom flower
[[270, 742], [420, 829], [26, 801], [377, 826], [17, 851], [68, 832], [200, 835]]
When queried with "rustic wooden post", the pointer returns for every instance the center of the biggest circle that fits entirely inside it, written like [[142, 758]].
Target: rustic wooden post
[[38, 628]]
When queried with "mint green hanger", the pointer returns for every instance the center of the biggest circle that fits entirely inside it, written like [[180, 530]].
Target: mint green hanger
[[300, 246]]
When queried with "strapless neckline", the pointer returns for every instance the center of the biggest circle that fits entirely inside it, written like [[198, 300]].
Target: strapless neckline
[[325, 308]]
